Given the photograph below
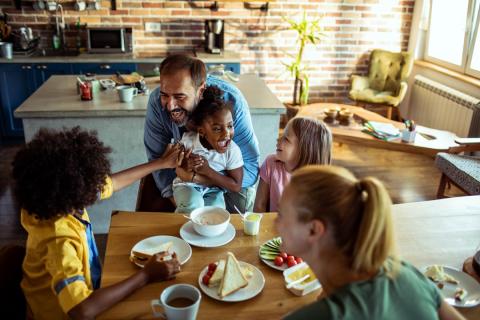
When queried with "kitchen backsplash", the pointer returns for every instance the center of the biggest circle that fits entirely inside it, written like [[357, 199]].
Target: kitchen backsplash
[[262, 39]]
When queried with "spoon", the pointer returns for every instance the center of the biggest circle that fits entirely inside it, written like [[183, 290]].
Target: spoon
[[187, 217], [291, 284], [239, 212]]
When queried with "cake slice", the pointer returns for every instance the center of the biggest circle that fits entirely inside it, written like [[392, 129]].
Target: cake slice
[[233, 278]]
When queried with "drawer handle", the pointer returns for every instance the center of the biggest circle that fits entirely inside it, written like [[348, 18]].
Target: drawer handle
[[26, 67], [44, 67], [105, 66]]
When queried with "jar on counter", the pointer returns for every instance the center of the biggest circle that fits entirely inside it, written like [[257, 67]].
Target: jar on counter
[[86, 92]]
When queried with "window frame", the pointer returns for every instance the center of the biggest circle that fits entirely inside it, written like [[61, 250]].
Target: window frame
[[464, 67], [468, 66]]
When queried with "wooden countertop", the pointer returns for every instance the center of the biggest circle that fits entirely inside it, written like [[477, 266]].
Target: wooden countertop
[[58, 98], [224, 57]]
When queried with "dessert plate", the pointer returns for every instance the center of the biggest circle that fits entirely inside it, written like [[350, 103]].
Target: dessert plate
[[254, 287], [180, 247], [191, 236], [465, 282]]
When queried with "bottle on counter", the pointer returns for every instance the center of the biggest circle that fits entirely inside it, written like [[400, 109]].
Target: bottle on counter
[[86, 92]]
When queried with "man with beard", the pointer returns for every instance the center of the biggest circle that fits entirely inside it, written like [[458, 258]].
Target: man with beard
[[182, 81]]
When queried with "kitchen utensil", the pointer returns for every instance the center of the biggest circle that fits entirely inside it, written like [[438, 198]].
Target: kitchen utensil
[[80, 5], [239, 212], [6, 50]]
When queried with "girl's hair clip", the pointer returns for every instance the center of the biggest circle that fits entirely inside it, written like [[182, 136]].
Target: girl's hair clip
[[364, 196]]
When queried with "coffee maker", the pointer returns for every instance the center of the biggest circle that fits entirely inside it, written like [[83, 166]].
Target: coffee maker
[[214, 36]]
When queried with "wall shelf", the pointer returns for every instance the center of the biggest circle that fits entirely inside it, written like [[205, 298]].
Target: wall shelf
[[261, 5]]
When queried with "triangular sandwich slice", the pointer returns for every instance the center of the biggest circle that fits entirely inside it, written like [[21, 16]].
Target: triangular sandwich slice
[[233, 278]]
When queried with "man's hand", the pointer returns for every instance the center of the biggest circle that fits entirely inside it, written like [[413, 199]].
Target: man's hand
[[156, 269]]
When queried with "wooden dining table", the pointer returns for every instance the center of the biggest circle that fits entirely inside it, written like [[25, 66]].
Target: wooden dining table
[[442, 232]]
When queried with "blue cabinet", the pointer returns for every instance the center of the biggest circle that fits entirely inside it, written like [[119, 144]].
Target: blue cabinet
[[104, 68], [43, 71], [17, 83]]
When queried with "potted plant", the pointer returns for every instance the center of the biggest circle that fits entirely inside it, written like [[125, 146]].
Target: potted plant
[[308, 32]]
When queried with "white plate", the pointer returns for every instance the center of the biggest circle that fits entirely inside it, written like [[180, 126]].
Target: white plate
[[270, 263], [191, 236], [180, 247], [466, 282], [254, 287]]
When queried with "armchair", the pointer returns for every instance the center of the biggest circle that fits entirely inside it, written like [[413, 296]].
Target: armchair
[[386, 83]]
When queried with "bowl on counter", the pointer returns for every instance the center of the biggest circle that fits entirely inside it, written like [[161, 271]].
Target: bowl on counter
[[210, 221]]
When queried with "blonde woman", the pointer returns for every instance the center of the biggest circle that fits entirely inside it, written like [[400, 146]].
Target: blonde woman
[[342, 227]]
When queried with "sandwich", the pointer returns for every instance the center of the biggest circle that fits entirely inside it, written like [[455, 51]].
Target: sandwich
[[141, 257], [437, 274], [233, 278], [217, 276]]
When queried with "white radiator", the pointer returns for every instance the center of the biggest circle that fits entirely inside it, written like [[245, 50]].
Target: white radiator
[[435, 105]]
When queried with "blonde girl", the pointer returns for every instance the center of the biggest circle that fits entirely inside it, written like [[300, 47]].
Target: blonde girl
[[342, 227], [304, 141]]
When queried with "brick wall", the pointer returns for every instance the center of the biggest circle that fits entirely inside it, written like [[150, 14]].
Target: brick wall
[[354, 27]]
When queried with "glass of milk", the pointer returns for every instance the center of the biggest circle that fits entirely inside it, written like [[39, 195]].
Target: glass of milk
[[251, 223]]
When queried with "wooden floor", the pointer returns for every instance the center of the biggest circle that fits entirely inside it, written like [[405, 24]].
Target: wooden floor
[[408, 178]]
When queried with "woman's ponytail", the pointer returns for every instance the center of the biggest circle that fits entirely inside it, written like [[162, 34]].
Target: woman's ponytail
[[375, 239]]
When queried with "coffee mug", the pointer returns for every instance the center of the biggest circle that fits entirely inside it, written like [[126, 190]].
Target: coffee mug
[[126, 93], [179, 301], [80, 5]]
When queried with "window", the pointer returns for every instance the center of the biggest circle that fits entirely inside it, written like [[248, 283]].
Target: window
[[453, 38]]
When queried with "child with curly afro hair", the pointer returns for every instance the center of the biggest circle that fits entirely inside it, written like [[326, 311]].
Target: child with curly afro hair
[[57, 175]]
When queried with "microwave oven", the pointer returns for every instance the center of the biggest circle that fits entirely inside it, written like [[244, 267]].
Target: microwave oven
[[109, 40]]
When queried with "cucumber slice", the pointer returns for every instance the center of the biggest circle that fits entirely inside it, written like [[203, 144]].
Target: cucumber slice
[[268, 256]]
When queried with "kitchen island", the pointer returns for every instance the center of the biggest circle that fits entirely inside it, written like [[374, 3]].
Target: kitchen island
[[56, 104]]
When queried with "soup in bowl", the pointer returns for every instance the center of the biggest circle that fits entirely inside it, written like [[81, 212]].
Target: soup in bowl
[[210, 221]]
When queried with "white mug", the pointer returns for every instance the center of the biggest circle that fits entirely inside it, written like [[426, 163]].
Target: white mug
[[179, 301], [126, 93], [80, 5]]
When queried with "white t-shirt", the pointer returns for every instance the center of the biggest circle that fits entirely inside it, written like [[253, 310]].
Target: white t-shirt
[[231, 159]]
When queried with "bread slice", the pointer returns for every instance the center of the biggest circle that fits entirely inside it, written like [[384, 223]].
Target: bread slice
[[233, 278], [145, 254], [217, 275]]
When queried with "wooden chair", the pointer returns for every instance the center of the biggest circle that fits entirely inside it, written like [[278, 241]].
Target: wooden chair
[[462, 171], [149, 198], [11, 294]]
